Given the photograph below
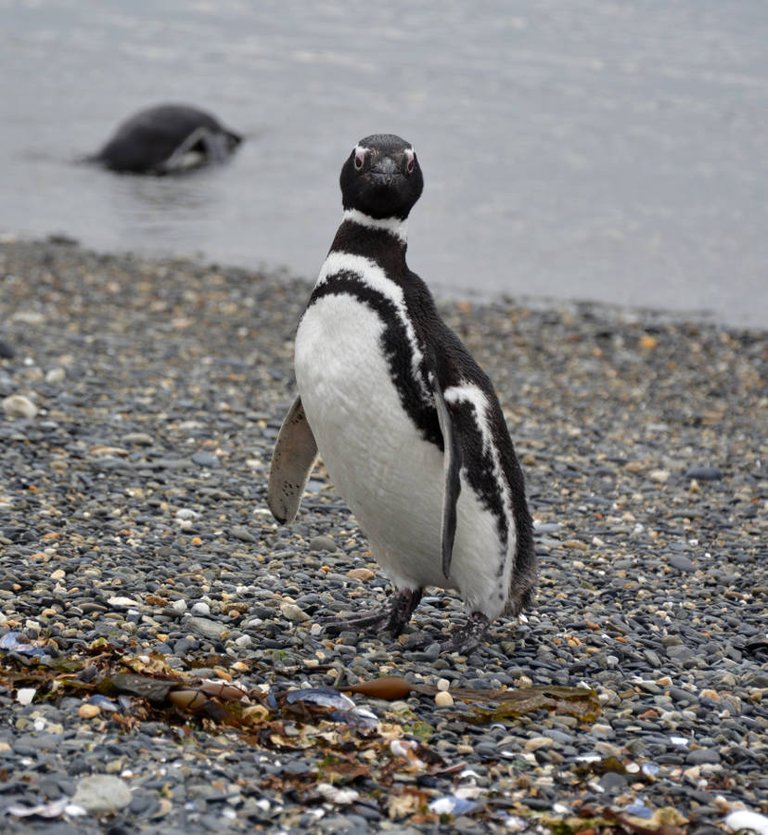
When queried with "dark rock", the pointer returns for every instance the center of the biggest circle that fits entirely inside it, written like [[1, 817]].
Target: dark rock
[[681, 563], [613, 782], [206, 459], [242, 533], [703, 756], [704, 473]]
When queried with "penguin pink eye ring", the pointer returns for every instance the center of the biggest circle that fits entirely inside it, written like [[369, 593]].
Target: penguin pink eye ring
[[410, 164], [359, 158]]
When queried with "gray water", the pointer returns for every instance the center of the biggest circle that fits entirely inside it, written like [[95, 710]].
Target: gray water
[[577, 149]]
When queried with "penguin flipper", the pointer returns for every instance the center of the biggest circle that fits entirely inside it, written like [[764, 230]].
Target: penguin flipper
[[292, 462], [452, 482], [202, 145]]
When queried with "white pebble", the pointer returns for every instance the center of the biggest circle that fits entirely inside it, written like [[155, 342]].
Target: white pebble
[[602, 730], [187, 513], [743, 819], [28, 317], [24, 695], [18, 406], [179, 605], [55, 375], [122, 602], [443, 684], [333, 794], [443, 698], [201, 608]]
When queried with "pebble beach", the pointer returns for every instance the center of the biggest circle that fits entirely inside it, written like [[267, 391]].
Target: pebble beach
[[139, 403]]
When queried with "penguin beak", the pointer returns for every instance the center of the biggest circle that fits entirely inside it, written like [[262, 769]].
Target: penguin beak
[[384, 165], [384, 168]]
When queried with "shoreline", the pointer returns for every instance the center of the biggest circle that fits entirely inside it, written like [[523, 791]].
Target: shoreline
[[444, 295], [133, 525]]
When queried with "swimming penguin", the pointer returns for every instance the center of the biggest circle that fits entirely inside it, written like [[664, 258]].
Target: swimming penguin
[[407, 424], [165, 139]]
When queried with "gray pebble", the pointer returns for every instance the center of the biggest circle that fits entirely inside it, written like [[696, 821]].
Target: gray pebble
[[204, 626], [242, 533], [322, 543], [137, 439], [206, 459], [102, 794], [702, 756], [681, 563]]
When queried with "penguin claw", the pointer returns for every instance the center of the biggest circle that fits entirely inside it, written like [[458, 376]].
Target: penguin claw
[[393, 620], [469, 637], [373, 621]]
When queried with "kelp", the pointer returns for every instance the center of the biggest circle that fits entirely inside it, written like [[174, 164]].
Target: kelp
[[351, 746], [579, 702], [488, 706]]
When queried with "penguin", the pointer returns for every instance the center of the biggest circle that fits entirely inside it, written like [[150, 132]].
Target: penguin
[[408, 425], [166, 139]]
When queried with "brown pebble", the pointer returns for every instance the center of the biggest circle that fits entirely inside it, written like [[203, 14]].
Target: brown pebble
[[88, 711], [364, 574]]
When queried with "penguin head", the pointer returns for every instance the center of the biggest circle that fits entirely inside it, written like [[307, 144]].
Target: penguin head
[[381, 177]]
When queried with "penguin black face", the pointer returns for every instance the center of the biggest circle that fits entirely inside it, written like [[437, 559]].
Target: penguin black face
[[381, 177]]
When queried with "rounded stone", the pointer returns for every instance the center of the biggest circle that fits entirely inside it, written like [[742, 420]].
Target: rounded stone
[[19, 406], [101, 794], [703, 756], [681, 563], [704, 473], [322, 543]]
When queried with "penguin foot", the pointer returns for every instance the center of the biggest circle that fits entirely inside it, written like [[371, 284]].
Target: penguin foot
[[468, 637], [393, 620]]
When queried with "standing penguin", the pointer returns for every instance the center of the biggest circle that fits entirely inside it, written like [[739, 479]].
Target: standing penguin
[[408, 425]]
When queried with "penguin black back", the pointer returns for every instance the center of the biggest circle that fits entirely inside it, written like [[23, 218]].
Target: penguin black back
[[157, 140]]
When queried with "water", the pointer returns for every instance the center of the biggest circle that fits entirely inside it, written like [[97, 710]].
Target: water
[[579, 149]]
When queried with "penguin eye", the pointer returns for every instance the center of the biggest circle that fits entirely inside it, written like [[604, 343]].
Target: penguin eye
[[359, 159], [410, 164]]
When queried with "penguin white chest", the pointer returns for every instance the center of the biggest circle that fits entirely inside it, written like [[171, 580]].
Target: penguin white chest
[[341, 371], [387, 473]]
